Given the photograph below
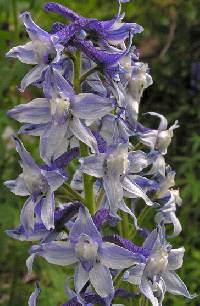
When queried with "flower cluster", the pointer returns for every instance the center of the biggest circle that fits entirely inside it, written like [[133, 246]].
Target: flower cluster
[[92, 82]]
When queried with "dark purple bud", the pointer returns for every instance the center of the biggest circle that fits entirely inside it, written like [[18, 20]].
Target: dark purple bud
[[61, 10], [100, 217], [56, 27], [98, 56], [126, 244]]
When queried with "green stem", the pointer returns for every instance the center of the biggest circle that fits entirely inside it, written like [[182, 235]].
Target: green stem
[[143, 300], [73, 193], [118, 278], [88, 73], [125, 225], [141, 217], [84, 150], [15, 19], [87, 181], [99, 198]]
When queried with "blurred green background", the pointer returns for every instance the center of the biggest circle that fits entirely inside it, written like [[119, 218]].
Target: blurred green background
[[170, 44]]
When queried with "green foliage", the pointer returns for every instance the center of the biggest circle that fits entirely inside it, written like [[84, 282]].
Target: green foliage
[[170, 44]]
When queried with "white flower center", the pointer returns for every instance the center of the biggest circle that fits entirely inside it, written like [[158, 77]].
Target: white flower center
[[157, 262], [86, 248], [60, 106]]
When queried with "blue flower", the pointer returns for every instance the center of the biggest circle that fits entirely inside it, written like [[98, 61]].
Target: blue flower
[[92, 256], [39, 185], [113, 31], [61, 113], [157, 275], [116, 167], [41, 51]]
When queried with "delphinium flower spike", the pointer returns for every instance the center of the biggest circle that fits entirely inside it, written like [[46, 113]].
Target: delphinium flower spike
[[102, 171]]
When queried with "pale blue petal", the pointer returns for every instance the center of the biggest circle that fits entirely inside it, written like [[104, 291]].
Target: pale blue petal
[[93, 165], [138, 160], [136, 190], [18, 186], [24, 53], [27, 160], [101, 280], [134, 274], [116, 257], [84, 225], [147, 290], [175, 285], [34, 31], [54, 142], [47, 211], [32, 76], [114, 191], [83, 133], [37, 112], [56, 252], [151, 240], [90, 106], [27, 215], [33, 129], [175, 258], [54, 178], [81, 277]]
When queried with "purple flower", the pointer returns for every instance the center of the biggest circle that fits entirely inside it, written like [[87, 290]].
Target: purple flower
[[159, 139], [157, 275], [39, 185], [113, 31], [40, 51], [61, 217], [61, 113], [113, 168], [93, 256]]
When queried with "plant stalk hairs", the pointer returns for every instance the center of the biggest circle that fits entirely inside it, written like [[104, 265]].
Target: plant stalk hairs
[[103, 172]]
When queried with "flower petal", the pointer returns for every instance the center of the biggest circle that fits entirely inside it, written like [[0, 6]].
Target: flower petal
[[83, 133], [24, 53], [27, 215], [133, 188], [93, 165], [47, 211], [116, 257], [56, 252], [101, 280], [84, 225], [81, 277], [175, 285], [54, 178], [52, 146], [147, 290], [32, 76], [90, 106], [134, 274], [37, 112], [175, 258], [17, 186], [34, 31]]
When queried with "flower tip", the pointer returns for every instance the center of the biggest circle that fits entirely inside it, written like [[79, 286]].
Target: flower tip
[[48, 6], [25, 15]]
